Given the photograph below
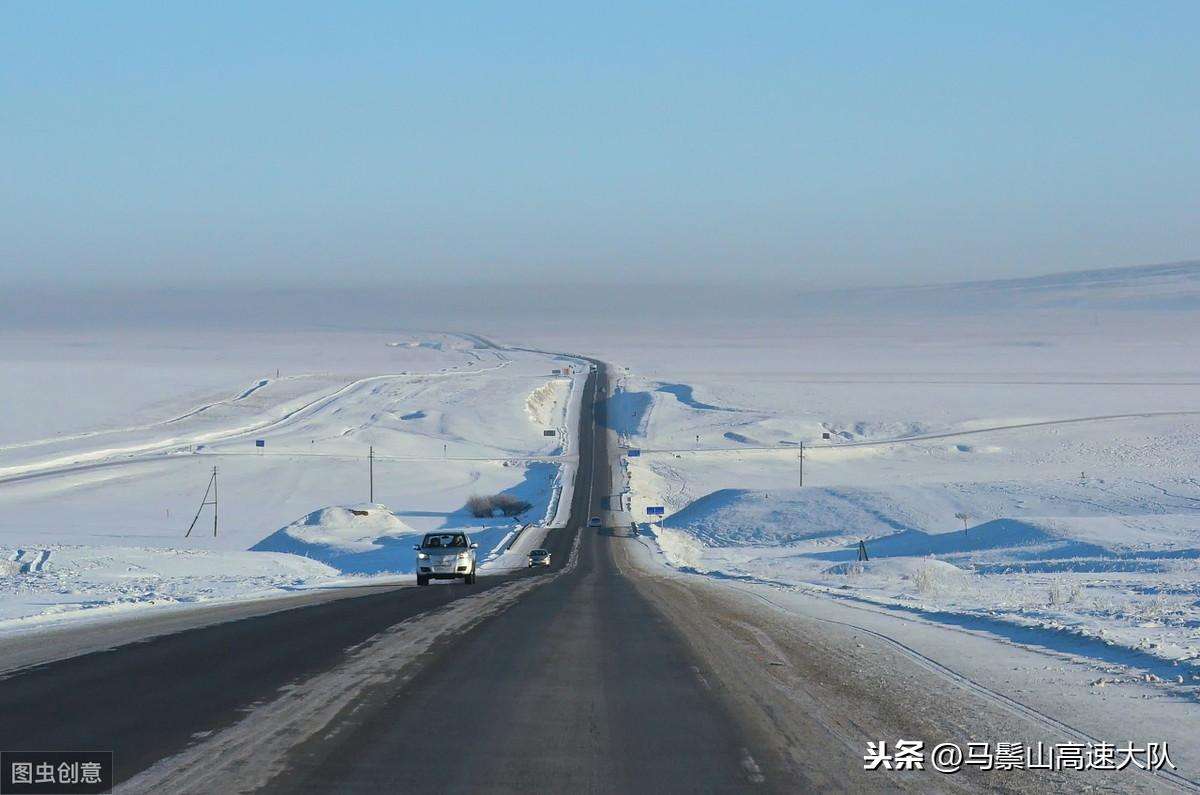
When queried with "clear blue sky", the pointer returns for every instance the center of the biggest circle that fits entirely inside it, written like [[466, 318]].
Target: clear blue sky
[[842, 143]]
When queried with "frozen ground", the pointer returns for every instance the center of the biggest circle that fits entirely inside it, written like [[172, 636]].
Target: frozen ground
[[1025, 471], [1058, 416], [108, 449]]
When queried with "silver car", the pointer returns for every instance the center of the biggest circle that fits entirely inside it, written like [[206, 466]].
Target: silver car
[[539, 557], [446, 556]]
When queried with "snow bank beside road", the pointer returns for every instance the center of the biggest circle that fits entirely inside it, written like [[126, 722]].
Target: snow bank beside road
[[545, 404], [1117, 565], [69, 583], [363, 539]]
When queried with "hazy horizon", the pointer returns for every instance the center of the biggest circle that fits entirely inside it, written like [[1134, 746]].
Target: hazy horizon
[[479, 306]]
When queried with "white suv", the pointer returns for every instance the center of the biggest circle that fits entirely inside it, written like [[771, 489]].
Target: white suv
[[446, 556]]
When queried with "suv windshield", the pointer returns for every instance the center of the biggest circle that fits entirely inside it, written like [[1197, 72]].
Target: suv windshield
[[537, 553], [444, 540]]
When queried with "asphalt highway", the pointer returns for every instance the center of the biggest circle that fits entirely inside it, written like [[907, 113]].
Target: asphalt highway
[[604, 673], [582, 686], [579, 685]]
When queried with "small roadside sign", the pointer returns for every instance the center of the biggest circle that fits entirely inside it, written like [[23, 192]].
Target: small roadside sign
[[260, 442], [655, 510], [633, 453], [549, 432]]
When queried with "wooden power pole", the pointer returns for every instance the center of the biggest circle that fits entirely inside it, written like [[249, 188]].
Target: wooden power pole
[[211, 488]]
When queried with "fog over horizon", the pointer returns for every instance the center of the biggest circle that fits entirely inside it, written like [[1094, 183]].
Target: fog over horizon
[[483, 307]]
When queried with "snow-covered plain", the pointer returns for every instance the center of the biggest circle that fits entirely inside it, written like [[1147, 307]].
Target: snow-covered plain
[[1016, 456], [1029, 472], [111, 440]]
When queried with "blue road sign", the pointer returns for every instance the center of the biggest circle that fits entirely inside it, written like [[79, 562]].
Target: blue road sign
[[634, 453], [654, 510], [260, 442]]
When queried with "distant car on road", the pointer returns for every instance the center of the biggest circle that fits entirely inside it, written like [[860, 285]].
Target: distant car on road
[[595, 522], [539, 557], [446, 556]]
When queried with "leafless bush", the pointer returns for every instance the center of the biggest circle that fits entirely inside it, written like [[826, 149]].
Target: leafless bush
[[933, 578], [511, 505], [1157, 608], [482, 506], [9, 568], [479, 505], [1062, 593], [926, 580]]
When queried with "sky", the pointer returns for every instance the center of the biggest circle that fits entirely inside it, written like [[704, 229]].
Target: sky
[[827, 144]]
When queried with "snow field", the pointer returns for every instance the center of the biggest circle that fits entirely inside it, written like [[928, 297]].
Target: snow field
[[458, 427]]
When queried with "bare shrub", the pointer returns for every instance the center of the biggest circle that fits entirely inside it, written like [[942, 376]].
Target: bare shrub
[[479, 505], [1158, 608], [511, 505], [925, 580], [935, 577], [9, 568], [1063, 593], [482, 506]]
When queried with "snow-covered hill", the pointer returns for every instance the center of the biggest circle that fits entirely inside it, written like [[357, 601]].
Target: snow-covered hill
[[1171, 286]]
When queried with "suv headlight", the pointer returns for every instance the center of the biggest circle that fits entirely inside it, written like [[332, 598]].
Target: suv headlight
[[464, 556], [422, 556]]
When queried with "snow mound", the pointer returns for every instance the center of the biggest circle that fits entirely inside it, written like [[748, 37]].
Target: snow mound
[[541, 403], [895, 568], [923, 575], [736, 517], [1051, 519], [680, 549], [361, 539], [1017, 539]]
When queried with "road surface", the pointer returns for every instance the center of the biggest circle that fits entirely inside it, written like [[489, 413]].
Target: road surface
[[597, 675]]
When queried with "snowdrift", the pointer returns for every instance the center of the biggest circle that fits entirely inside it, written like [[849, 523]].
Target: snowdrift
[[360, 539], [1022, 524], [1019, 540]]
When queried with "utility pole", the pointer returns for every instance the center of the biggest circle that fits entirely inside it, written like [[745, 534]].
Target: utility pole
[[214, 503], [371, 472], [802, 465], [211, 488]]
